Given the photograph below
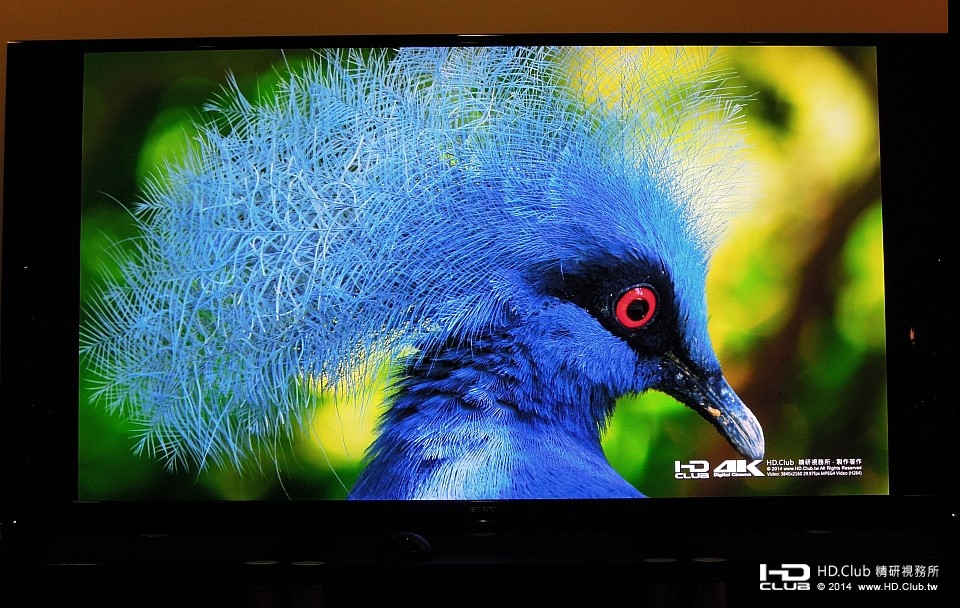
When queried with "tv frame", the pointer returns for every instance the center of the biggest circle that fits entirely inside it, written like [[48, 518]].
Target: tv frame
[[39, 322]]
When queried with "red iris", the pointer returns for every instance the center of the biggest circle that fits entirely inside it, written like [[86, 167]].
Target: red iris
[[636, 306]]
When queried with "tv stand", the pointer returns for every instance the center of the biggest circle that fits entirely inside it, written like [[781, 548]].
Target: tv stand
[[710, 568]]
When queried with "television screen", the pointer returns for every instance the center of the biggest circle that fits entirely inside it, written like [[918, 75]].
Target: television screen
[[481, 272], [468, 269]]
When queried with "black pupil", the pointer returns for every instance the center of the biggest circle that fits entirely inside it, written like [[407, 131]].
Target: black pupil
[[637, 309]]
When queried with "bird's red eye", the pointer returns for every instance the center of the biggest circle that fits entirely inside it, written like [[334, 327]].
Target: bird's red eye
[[636, 306]]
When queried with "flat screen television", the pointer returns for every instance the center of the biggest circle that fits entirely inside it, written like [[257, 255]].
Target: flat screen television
[[563, 282]]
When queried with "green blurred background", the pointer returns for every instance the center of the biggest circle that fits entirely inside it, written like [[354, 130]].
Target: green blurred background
[[795, 293]]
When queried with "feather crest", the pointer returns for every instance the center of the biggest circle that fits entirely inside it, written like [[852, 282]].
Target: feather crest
[[387, 200]]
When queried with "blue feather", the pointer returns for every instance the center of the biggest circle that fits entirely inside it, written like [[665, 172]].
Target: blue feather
[[429, 210]]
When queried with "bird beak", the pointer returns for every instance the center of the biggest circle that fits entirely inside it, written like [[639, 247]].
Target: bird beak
[[711, 396]]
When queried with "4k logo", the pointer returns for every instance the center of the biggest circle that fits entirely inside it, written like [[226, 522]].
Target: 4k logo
[[738, 468], [700, 469]]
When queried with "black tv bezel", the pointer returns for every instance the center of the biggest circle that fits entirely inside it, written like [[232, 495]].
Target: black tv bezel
[[40, 282]]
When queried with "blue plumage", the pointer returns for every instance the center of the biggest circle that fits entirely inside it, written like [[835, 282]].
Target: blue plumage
[[520, 241]]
